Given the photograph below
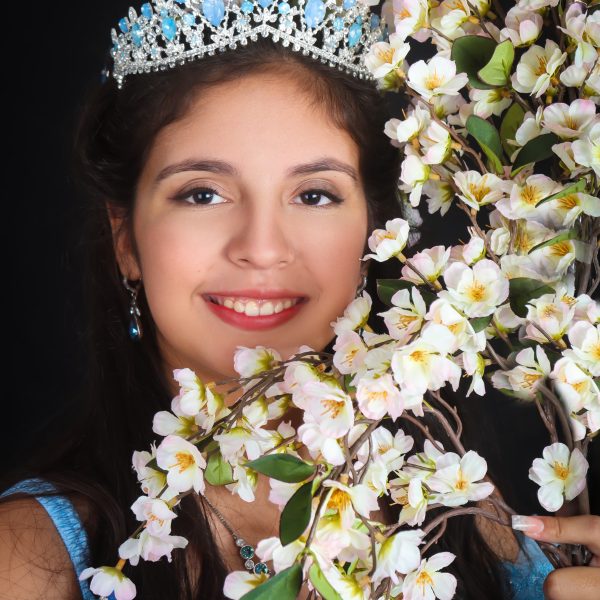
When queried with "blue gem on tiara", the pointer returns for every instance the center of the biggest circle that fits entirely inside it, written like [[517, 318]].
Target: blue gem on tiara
[[214, 11], [354, 33], [168, 33], [169, 28], [314, 11], [147, 10]]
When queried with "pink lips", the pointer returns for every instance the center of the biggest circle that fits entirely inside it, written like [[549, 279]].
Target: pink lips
[[258, 322]]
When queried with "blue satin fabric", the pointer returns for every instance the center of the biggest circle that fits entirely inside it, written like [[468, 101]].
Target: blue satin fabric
[[526, 574]]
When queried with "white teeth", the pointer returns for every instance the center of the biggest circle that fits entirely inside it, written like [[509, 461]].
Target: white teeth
[[253, 308]]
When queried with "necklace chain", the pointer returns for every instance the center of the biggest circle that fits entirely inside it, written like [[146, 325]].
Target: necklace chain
[[246, 550]]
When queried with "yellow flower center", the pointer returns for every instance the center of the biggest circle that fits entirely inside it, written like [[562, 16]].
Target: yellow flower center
[[541, 68], [479, 192], [419, 356], [338, 501], [333, 407], [595, 352], [560, 249], [530, 379], [386, 56], [424, 579], [462, 483], [568, 202], [530, 195], [549, 311], [406, 320], [561, 471], [433, 81], [184, 461], [476, 292]]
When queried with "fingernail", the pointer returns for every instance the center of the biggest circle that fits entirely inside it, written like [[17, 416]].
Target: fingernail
[[529, 525]]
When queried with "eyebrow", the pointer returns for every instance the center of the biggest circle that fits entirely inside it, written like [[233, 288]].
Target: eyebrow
[[225, 168]]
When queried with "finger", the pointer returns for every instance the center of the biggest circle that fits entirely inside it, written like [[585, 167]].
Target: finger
[[582, 583], [581, 529]]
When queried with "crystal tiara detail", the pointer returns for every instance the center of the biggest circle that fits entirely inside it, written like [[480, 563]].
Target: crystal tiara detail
[[171, 32]]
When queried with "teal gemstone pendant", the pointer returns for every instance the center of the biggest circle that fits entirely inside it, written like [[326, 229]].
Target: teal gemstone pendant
[[247, 553]]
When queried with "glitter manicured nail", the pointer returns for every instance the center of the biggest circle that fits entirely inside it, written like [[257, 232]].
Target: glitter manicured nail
[[529, 525]]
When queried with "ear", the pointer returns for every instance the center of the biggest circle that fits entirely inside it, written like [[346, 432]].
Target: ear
[[122, 243]]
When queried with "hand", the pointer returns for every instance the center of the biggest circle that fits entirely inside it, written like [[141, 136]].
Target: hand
[[580, 583]]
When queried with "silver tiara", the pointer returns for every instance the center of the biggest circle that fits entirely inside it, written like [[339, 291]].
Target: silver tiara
[[167, 33]]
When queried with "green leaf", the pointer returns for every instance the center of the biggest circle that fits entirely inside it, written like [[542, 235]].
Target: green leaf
[[480, 323], [208, 445], [347, 385], [386, 288], [578, 186], [488, 138], [321, 584], [471, 53], [522, 290], [510, 123], [295, 515], [283, 467], [283, 586], [497, 71], [534, 150], [570, 234], [218, 471]]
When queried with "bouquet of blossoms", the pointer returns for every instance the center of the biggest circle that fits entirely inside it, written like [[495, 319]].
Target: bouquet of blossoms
[[501, 125]]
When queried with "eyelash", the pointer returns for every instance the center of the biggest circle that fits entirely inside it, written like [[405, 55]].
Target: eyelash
[[183, 196]]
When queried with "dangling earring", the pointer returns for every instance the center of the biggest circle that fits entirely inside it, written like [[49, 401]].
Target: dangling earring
[[135, 325], [361, 287]]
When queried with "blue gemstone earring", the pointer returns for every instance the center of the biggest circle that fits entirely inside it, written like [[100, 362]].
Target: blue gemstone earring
[[135, 325]]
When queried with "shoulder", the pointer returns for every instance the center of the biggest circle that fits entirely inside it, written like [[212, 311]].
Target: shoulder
[[34, 562]]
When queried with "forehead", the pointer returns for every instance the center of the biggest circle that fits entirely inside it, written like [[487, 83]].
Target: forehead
[[255, 120]]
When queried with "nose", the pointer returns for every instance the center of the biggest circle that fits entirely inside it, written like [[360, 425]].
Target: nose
[[262, 238]]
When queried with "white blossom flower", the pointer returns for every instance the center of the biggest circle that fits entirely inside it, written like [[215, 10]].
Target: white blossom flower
[[470, 252], [156, 513], [478, 190], [414, 172], [239, 583], [436, 77], [585, 340], [576, 388], [183, 462], [248, 362], [349, 352], [150, 547], [430, 263], [109, 580], [411, 18], [399, 553], [476, 290], [523, 27], [427, 583], [386, 57], [537, 67], [423, 364], [346, 500], [586, 150], [406, 316], [561, 475], [456, 484], [523, 199], [379, 396], [524, 379], [355, 314], [390, 241], [551, 315], [152, 480], [569, 121], [439, 196], [490, 102], [436, 144], [331, 405], [406, 130]]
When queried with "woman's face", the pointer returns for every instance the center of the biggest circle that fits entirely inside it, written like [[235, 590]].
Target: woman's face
[[239, 199]]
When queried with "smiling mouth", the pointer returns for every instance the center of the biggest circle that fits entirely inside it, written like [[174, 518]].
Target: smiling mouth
[[254, 307]]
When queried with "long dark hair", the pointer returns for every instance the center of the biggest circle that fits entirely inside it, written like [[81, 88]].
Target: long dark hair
[[125, 382]]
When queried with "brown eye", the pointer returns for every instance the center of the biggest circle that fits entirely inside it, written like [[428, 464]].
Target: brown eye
[[313, 197], [201, 196]]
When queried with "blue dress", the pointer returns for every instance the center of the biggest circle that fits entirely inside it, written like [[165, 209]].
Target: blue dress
[[526, 574]]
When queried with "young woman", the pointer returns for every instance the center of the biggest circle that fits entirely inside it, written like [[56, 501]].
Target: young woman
[[251, 177]]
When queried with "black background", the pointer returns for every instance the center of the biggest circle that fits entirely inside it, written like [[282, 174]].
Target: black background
[[57, 51]]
